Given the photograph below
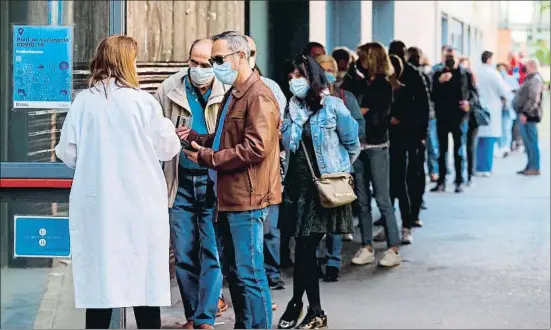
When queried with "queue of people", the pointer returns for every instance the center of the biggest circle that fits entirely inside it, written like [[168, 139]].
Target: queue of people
[[220, 164]]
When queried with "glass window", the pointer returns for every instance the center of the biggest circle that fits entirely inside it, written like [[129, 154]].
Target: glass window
[[468, 41], [456, 35], [166, 29], [444, 32], [32, 134]]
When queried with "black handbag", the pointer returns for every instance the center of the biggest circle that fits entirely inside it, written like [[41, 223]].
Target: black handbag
[[481, 114]]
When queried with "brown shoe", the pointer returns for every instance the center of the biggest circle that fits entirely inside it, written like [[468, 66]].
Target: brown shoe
[[222, 307], [205, 326], [188, 325], [531, 172]]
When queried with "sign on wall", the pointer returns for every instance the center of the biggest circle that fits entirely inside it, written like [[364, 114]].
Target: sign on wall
[[42, 67], [41, 237]]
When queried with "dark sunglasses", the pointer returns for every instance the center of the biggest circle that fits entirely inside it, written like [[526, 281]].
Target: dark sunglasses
[[219, 59]]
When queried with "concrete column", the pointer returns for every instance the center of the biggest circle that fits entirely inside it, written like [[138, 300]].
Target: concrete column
[[366, 30], [318, 21]]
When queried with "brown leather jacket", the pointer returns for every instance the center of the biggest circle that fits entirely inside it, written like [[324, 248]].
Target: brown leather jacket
[[248, 158]]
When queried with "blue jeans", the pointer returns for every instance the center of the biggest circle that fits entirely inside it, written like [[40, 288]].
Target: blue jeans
[[271, 244], [333, 250], [242, 235], [194, 243], [375, 170], [432, 148], [506, 130], [529, 132], [485, 154]]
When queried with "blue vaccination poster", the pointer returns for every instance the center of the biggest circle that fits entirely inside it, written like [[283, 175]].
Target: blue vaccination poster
[[41, 237], [42, 67]]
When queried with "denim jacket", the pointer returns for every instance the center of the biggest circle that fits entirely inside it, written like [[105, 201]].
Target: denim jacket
[[334, 135]]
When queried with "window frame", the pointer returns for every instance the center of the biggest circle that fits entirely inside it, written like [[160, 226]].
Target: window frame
[[42, 170]]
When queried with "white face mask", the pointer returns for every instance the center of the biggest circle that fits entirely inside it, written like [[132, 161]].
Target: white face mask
[[201, 76]]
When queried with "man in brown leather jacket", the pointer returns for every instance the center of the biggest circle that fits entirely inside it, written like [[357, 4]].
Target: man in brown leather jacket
[[243, 156]]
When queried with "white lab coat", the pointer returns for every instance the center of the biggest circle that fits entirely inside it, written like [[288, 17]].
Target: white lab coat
[[491, 87], [118, 210]]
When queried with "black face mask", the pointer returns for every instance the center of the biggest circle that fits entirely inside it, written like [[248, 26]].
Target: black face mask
[[360, 68], [450, 62]]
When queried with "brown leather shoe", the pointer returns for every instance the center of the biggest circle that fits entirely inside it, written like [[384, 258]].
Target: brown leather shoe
[[188, 325], [222, 307]]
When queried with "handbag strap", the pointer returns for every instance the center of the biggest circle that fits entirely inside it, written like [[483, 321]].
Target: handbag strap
[[314, 178]]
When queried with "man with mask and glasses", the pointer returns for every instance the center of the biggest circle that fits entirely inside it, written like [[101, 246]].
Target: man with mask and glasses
[[450, 93], [243, 156], [191, 99]]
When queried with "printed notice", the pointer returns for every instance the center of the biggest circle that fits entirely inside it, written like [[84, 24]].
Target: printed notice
[[41, 237], [42, 67]]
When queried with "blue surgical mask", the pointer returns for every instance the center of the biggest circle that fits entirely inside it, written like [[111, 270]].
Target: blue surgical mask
[[225, 73], [299, 87], [201, 76], [503, 73], [330, 78]]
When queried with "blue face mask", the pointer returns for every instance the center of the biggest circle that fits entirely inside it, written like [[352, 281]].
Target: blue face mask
[[503, 73], [225, 73], [201, 76], [299, 87], [330, 78]]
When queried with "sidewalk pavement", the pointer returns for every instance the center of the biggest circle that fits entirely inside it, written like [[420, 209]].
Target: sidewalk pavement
[[481, 261]]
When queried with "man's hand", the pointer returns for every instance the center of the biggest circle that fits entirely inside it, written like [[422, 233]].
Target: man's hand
[[194, 155], [394, 121], [183, 132], [445, 77], [465, 105], [523, 118]]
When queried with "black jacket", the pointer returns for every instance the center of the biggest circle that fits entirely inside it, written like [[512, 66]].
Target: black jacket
[[447, 96], [377, 97], [411, 104]]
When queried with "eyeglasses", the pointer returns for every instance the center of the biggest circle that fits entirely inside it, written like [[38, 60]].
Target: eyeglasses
[[219, 59], [253, 53], [194, 64]]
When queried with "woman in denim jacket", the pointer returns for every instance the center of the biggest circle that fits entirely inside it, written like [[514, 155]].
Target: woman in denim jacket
[[330, 136]]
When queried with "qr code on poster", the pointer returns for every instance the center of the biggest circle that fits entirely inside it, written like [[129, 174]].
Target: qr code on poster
[[18, 58]]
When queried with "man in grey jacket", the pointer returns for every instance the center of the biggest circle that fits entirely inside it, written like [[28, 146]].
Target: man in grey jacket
[[529, 106]]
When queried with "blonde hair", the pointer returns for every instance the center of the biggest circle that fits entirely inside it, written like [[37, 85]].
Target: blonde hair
[[327, 59], [115, 58], [374, 58]]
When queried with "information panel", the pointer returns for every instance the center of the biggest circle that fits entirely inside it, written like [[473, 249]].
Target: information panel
[[41, 237], [42, 67]]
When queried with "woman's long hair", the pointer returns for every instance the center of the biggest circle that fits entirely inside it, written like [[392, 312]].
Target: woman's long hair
[[115, 58], [375, 60], [398, 68], [311, 70]]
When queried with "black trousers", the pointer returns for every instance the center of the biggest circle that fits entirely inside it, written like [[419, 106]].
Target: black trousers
[[457, 129], [399, 150], [416, 177], [306, 271], [472, 135], [146, 318]]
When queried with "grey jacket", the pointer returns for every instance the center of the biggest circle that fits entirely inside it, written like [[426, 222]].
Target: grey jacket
[[528, 98]]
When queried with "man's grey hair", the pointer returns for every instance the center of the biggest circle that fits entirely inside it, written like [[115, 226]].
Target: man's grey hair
[[533, 62], [237, 42]]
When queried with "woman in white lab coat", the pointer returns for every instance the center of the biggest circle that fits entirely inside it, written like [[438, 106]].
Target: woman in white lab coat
[[491, 90], [114, 136]]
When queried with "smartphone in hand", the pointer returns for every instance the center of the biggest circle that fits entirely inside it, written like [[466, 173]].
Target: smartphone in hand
[[187, 145]]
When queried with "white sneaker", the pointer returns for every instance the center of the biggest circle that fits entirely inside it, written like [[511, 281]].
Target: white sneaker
[[390, 259], [363, 257], [407, 238]]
